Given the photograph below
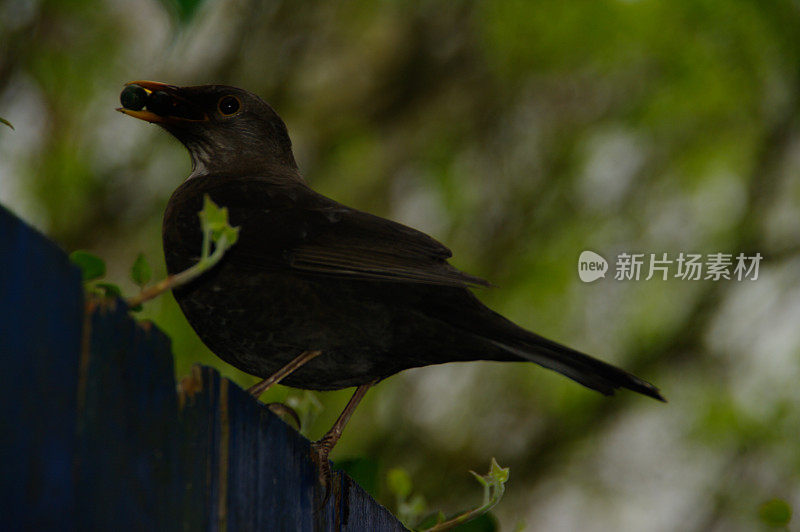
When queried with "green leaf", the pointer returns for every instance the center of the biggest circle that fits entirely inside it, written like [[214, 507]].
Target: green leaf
[[399, 482], [495, 479], [498, 474], [108, 290], [775, 513], [92, 266], [214, 217], [214, 220], [141, 273], [6, 122]]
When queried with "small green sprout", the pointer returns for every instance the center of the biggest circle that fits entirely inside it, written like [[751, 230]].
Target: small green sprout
[[410, 508], [217, 232]]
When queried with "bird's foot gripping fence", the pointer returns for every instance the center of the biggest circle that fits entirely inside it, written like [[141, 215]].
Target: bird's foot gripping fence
[[96, 436]]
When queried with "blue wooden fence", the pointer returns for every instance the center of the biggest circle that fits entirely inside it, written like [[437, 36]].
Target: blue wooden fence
[[96, 435]]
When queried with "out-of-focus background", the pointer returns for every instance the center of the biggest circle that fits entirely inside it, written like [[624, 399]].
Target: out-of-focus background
[[520, 134]]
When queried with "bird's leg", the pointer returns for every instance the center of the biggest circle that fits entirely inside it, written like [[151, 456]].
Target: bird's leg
[[278, 408], [321, 448], [282, 373]]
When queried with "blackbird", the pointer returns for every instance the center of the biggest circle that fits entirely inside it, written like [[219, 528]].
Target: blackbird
[[314, 293]]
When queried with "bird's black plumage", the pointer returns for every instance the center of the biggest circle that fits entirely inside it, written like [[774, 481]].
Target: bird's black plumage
[[374, 296]]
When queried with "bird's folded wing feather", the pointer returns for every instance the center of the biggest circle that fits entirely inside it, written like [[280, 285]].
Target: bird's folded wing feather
[[318, 235], [365, 246]]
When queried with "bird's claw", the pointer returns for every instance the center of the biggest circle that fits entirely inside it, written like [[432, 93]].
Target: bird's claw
[[280, 410], [319, 454]]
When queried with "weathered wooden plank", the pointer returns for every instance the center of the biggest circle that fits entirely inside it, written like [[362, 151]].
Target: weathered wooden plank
[[199, 440], [127, 426], [358, 511], [254, 472], [41, 311]]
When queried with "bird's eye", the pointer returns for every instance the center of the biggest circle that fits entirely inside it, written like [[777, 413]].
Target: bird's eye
[[228, 105]]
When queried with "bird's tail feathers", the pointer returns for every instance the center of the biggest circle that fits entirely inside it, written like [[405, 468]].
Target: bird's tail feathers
[[590, 372]]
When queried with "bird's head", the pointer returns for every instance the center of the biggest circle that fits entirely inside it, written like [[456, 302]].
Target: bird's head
[[226, 130]]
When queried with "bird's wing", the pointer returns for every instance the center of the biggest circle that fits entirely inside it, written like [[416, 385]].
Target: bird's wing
[[317, 235], [358, 244]]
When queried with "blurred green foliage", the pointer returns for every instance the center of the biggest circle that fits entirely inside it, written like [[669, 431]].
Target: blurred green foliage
[[518, 133], [775, 513], [183, 10], [411, 509]]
